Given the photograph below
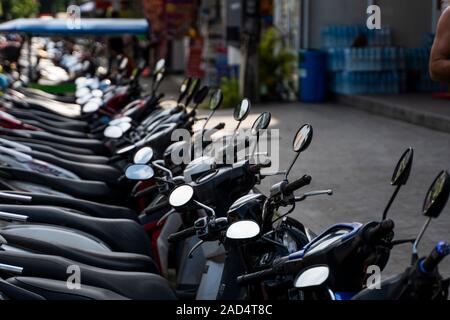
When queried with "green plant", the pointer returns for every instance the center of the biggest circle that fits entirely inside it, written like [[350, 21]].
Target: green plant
[[276, 65], [20, 8], [230, 91]]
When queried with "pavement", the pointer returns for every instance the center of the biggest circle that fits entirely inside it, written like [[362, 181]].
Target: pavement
[[417, 108], [354, 152]]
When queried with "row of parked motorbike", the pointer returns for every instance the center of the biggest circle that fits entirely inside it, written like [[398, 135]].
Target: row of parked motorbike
[[95, 208]]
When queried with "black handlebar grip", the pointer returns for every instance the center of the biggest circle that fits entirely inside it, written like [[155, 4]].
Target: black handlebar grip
[[220, 126], [255, 277], [297, 184], [179, 236], [379, 231], [257, 167], [439, 252]]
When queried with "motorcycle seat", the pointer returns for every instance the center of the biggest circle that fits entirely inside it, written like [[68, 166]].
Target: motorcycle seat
[[133, 285], [86, 171], [46, 289], [121, 235], [84, 189], [119, 261], [94, 209]]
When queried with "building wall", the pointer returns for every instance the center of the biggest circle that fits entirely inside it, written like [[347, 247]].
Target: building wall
[[409, 19]]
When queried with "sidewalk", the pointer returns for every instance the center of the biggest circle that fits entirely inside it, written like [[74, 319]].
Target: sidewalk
[[416, 108]]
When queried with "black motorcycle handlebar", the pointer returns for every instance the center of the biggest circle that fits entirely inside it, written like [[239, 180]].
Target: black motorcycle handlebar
[[255, 277], [297, 184], [440, 251], [379, 231], [180, 236]]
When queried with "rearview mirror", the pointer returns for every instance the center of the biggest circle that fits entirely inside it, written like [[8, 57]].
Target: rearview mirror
[[243, 230], [91, 107], [303, 138], [216, 100], [139, 172], [312, 277], [123, 63], [113, 132], [118, 121], [184, 89], [261, 123], [193, 90], [143, 156], [181, 196], [242, 110], [437, 196], [201, 95], [403, 168], [159, 67]]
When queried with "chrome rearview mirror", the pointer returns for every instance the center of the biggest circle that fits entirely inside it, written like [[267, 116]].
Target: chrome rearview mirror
[[242, 110], [312, 277], [303, 138], [139, 172], [181, 196], [243, 230], [143, 156], [113, 132]]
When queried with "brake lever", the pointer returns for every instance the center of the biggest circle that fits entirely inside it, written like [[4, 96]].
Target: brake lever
[[313, 194], [197, 245]]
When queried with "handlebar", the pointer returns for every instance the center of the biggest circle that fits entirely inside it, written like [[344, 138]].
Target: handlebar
[[379, 231], [256, 276], [440, 251], [297, 184], [255, 168], [184, 234]]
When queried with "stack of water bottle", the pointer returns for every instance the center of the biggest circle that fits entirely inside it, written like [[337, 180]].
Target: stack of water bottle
[[377, 67]]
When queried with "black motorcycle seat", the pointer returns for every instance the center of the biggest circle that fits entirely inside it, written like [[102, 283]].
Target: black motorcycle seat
[[95, 145], [59, 131], [94, 209], [80, 158], [85, 189], [119, 261], [121, 235], [25, 139], [86, 171], [54, 290], [133, 285], [9, 291]]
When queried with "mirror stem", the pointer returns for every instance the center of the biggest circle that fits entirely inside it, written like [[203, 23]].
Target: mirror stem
[[290, 167], [213, 213], [415, 255], [394, 195]]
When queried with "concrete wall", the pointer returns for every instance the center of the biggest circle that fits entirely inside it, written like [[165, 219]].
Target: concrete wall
[[410, 19]]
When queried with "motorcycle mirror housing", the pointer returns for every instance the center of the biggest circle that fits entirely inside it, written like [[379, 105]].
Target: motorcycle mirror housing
[[312, 277], [302, 140], [159, 67], [243, 230], [184, 89], [117, 121], [216, 100], [400, 176], [193, 90], [201, 95], [437, 196], [242, 110], [403, 168], [181, 196], [261, 123], [139, 172], [143, 156], [113, 132], [91, 107], [435, 201]]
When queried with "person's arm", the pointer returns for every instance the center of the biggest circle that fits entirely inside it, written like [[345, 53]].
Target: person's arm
[[440, 53]]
